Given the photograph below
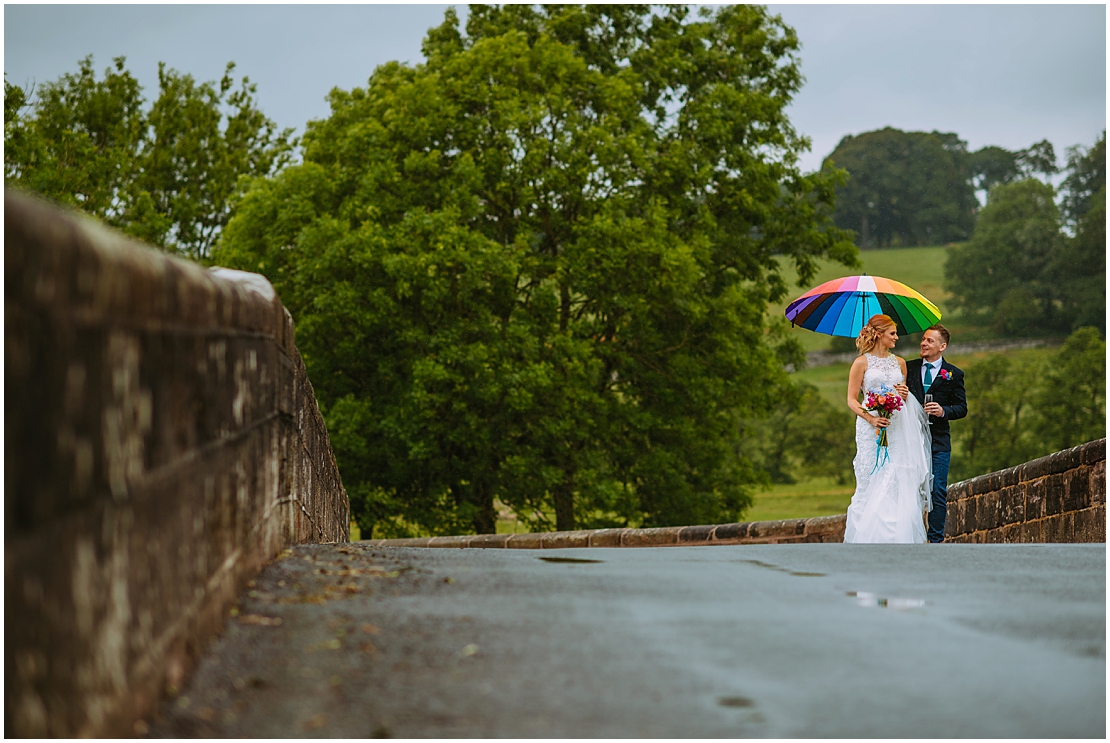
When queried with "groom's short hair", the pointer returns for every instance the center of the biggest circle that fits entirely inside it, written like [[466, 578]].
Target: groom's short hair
[[941, 330]]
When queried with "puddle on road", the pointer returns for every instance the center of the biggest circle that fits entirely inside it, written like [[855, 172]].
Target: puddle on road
[[567, 559], [871, 601], [769, 566]]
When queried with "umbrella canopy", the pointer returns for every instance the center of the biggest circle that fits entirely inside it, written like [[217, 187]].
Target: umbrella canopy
[[843, 306]]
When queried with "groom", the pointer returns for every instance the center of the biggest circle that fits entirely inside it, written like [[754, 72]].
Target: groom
[[931, 374]]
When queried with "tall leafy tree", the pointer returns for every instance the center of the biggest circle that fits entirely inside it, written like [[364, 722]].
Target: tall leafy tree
[[1086, 176], [992, 166], [1003, 272], [1071, 399], [904, 188], [164, 174], [535, 267], [1079, 269]]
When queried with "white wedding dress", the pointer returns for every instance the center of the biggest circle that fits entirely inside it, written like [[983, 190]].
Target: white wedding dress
[[891, 495]]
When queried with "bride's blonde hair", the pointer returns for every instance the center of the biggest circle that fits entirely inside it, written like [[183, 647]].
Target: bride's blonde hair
[[870, 333]]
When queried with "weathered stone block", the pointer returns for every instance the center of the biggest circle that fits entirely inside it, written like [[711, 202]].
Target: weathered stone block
[[1011, 504], [776, 529], [991, 536], [1055, 490], [1035, 496], [979, 485], [1077, 494], [404, 542], [606, 538], [696, 534], [1011, 533], [450, 542], [1090, 525], [1031, 532], [731, 532], [1097, 482], [826, 528], [1054, 529], [1008, 477], [657, 537], [489, 540], [525, 542], [565, 539], [971, 514], [1093, 452], [956, 520]]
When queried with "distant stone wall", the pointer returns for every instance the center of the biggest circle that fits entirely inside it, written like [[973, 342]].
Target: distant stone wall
[[1058, 498], [162, 442], [786, 531]]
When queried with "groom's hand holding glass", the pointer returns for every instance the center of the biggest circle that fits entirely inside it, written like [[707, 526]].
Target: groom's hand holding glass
[[934, 408]]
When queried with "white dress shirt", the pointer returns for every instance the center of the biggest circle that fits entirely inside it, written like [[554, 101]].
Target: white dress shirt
[[936, 369]]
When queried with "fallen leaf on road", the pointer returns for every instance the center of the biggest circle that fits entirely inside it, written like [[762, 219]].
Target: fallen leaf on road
[[371, 629], [369, 647], [316, 721]]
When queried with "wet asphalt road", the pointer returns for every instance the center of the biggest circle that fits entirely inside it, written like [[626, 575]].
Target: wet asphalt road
[[815, 640]]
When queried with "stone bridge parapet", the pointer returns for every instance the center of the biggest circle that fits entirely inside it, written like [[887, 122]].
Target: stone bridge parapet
[[162, 442], [1057, 498]]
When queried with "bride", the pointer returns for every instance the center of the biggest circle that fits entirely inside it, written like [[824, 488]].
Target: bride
[[891, 493]]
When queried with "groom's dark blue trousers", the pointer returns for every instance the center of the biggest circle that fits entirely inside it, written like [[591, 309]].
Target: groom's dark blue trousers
[[941, 460]]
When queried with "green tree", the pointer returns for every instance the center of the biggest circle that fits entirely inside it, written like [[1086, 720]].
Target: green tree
[[1079, 269], [1024, 409], [998, 431], [164, 175], [1003, 272], [1086, 176], [1071, 398], [1038, 159], [991, 166], [804, 435], [535, 267], [904, 188]]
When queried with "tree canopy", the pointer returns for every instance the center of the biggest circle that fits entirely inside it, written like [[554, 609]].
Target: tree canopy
[[165, 174], [534, 268], [918, 188], [1020, 270], [904, 188]]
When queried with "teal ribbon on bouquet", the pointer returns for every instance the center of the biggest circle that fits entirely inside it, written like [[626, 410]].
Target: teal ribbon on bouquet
[[882, 451]]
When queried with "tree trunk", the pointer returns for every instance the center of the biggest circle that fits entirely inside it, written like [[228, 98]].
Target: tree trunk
[[485, 520], [564, 507], [564, 492], [865, 238]]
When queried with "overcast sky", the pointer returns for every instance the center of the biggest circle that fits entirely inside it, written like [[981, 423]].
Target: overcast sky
[[1006, 75]]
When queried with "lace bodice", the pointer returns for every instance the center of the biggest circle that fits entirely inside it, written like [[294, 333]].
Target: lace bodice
[[881, 371]]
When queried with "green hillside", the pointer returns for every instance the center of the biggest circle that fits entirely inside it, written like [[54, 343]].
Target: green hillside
[[920, 268]]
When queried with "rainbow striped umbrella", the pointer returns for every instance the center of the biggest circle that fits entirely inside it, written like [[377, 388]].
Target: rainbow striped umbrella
[[842, 306]]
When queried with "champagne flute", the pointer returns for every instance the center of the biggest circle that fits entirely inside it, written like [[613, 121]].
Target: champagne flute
[[929, 399]]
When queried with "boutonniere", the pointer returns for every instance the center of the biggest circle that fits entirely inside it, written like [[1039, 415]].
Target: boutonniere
[[944, 374]]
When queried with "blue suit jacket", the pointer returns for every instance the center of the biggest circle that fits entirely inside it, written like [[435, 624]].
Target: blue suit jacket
[[948, 393]]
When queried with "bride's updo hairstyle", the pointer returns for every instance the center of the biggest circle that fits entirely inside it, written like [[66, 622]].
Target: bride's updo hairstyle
[[870, 333]]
